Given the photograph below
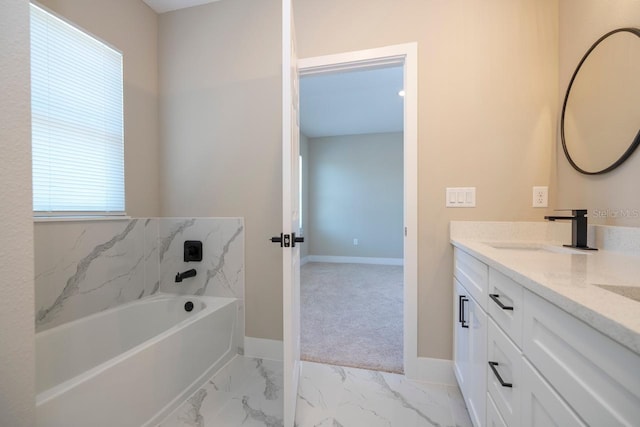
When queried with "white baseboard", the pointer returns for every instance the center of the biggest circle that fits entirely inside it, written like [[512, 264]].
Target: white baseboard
[[426, 369], [354, 260], [304, 260], [263, 349]]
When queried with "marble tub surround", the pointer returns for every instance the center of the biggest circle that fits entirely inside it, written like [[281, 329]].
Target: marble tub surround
[[568, 280], [246, 392], [84, 267], [221, 271], [335, 396]]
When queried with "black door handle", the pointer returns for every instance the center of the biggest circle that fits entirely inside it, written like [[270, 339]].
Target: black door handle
[[295, 240], [277, 239]]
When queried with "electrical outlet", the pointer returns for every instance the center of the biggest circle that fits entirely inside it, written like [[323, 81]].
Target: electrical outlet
[[355, 242], [540, 197]]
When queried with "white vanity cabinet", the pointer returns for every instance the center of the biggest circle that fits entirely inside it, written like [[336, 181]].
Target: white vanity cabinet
[[543, 366]]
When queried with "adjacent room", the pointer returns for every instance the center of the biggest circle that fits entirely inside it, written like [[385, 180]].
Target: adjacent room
[[351, 148]]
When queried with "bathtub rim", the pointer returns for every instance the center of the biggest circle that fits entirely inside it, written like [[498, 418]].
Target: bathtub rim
[[53, 392], [146, 300]]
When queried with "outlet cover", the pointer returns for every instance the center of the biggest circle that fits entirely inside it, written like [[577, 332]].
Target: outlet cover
[[540, 197]]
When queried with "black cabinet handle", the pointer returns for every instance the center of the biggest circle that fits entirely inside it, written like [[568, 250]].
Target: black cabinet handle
[[493, 365], [495, 299], [461, 300]]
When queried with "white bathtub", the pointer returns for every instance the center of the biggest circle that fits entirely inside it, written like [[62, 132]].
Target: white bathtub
[[131, 365]]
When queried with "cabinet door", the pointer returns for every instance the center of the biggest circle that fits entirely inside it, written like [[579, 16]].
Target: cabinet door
[[541, 405], [470, 353]]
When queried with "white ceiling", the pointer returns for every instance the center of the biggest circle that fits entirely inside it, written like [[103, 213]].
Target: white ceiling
[[162, 6], [350, 103]]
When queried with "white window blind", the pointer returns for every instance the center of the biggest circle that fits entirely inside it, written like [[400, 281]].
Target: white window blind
[[77, 120]]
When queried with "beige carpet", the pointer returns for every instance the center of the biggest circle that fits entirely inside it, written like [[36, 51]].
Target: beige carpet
[[351, 315]]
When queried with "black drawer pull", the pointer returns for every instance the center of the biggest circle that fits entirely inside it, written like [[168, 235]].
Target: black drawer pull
[[495, 299], [461, 301], [495, 372]]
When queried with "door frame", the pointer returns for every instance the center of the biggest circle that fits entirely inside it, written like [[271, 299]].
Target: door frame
[[407, 56]]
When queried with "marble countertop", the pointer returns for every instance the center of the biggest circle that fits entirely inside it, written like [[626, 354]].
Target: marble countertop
[[569, 281]]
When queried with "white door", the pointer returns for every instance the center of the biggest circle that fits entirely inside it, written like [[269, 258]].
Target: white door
[[290, 215]]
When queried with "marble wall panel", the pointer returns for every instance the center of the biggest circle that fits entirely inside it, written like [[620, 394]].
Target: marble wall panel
[[221, 271], [83, 267]]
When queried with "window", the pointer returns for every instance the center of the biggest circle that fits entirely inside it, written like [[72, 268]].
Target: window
[[77, 120]]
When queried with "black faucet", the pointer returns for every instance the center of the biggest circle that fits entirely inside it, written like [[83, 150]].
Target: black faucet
[[578, 228], [185, 275]]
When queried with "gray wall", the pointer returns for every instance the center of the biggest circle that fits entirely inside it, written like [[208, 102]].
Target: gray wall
[[17, 352], [221, 127], [356, 191]]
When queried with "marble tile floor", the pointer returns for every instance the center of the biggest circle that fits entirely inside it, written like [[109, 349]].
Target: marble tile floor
[[248, 392], [333, 396]]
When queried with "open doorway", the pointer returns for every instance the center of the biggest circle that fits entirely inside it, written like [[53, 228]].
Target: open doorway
[[352, 193]]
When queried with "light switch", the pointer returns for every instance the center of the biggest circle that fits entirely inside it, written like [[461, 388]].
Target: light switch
[[451, 196]]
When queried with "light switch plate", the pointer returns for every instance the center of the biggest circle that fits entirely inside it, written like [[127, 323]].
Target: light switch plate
[[460, 197]]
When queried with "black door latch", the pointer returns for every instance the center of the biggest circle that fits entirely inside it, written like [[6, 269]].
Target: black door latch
[[287, 240]]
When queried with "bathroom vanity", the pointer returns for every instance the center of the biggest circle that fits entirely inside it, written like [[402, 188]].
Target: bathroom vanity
[[545, 335]]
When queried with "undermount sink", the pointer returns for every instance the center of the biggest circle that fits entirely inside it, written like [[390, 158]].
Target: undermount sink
[[631, 292], [534, 247]]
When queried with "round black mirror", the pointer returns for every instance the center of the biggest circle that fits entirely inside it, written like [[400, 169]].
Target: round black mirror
[[600, 123]]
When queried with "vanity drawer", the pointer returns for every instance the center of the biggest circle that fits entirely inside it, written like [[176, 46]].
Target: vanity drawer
[[494, 419], [541, 405], [596, 376], [504, 364], [472, 274], [503, 290]]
